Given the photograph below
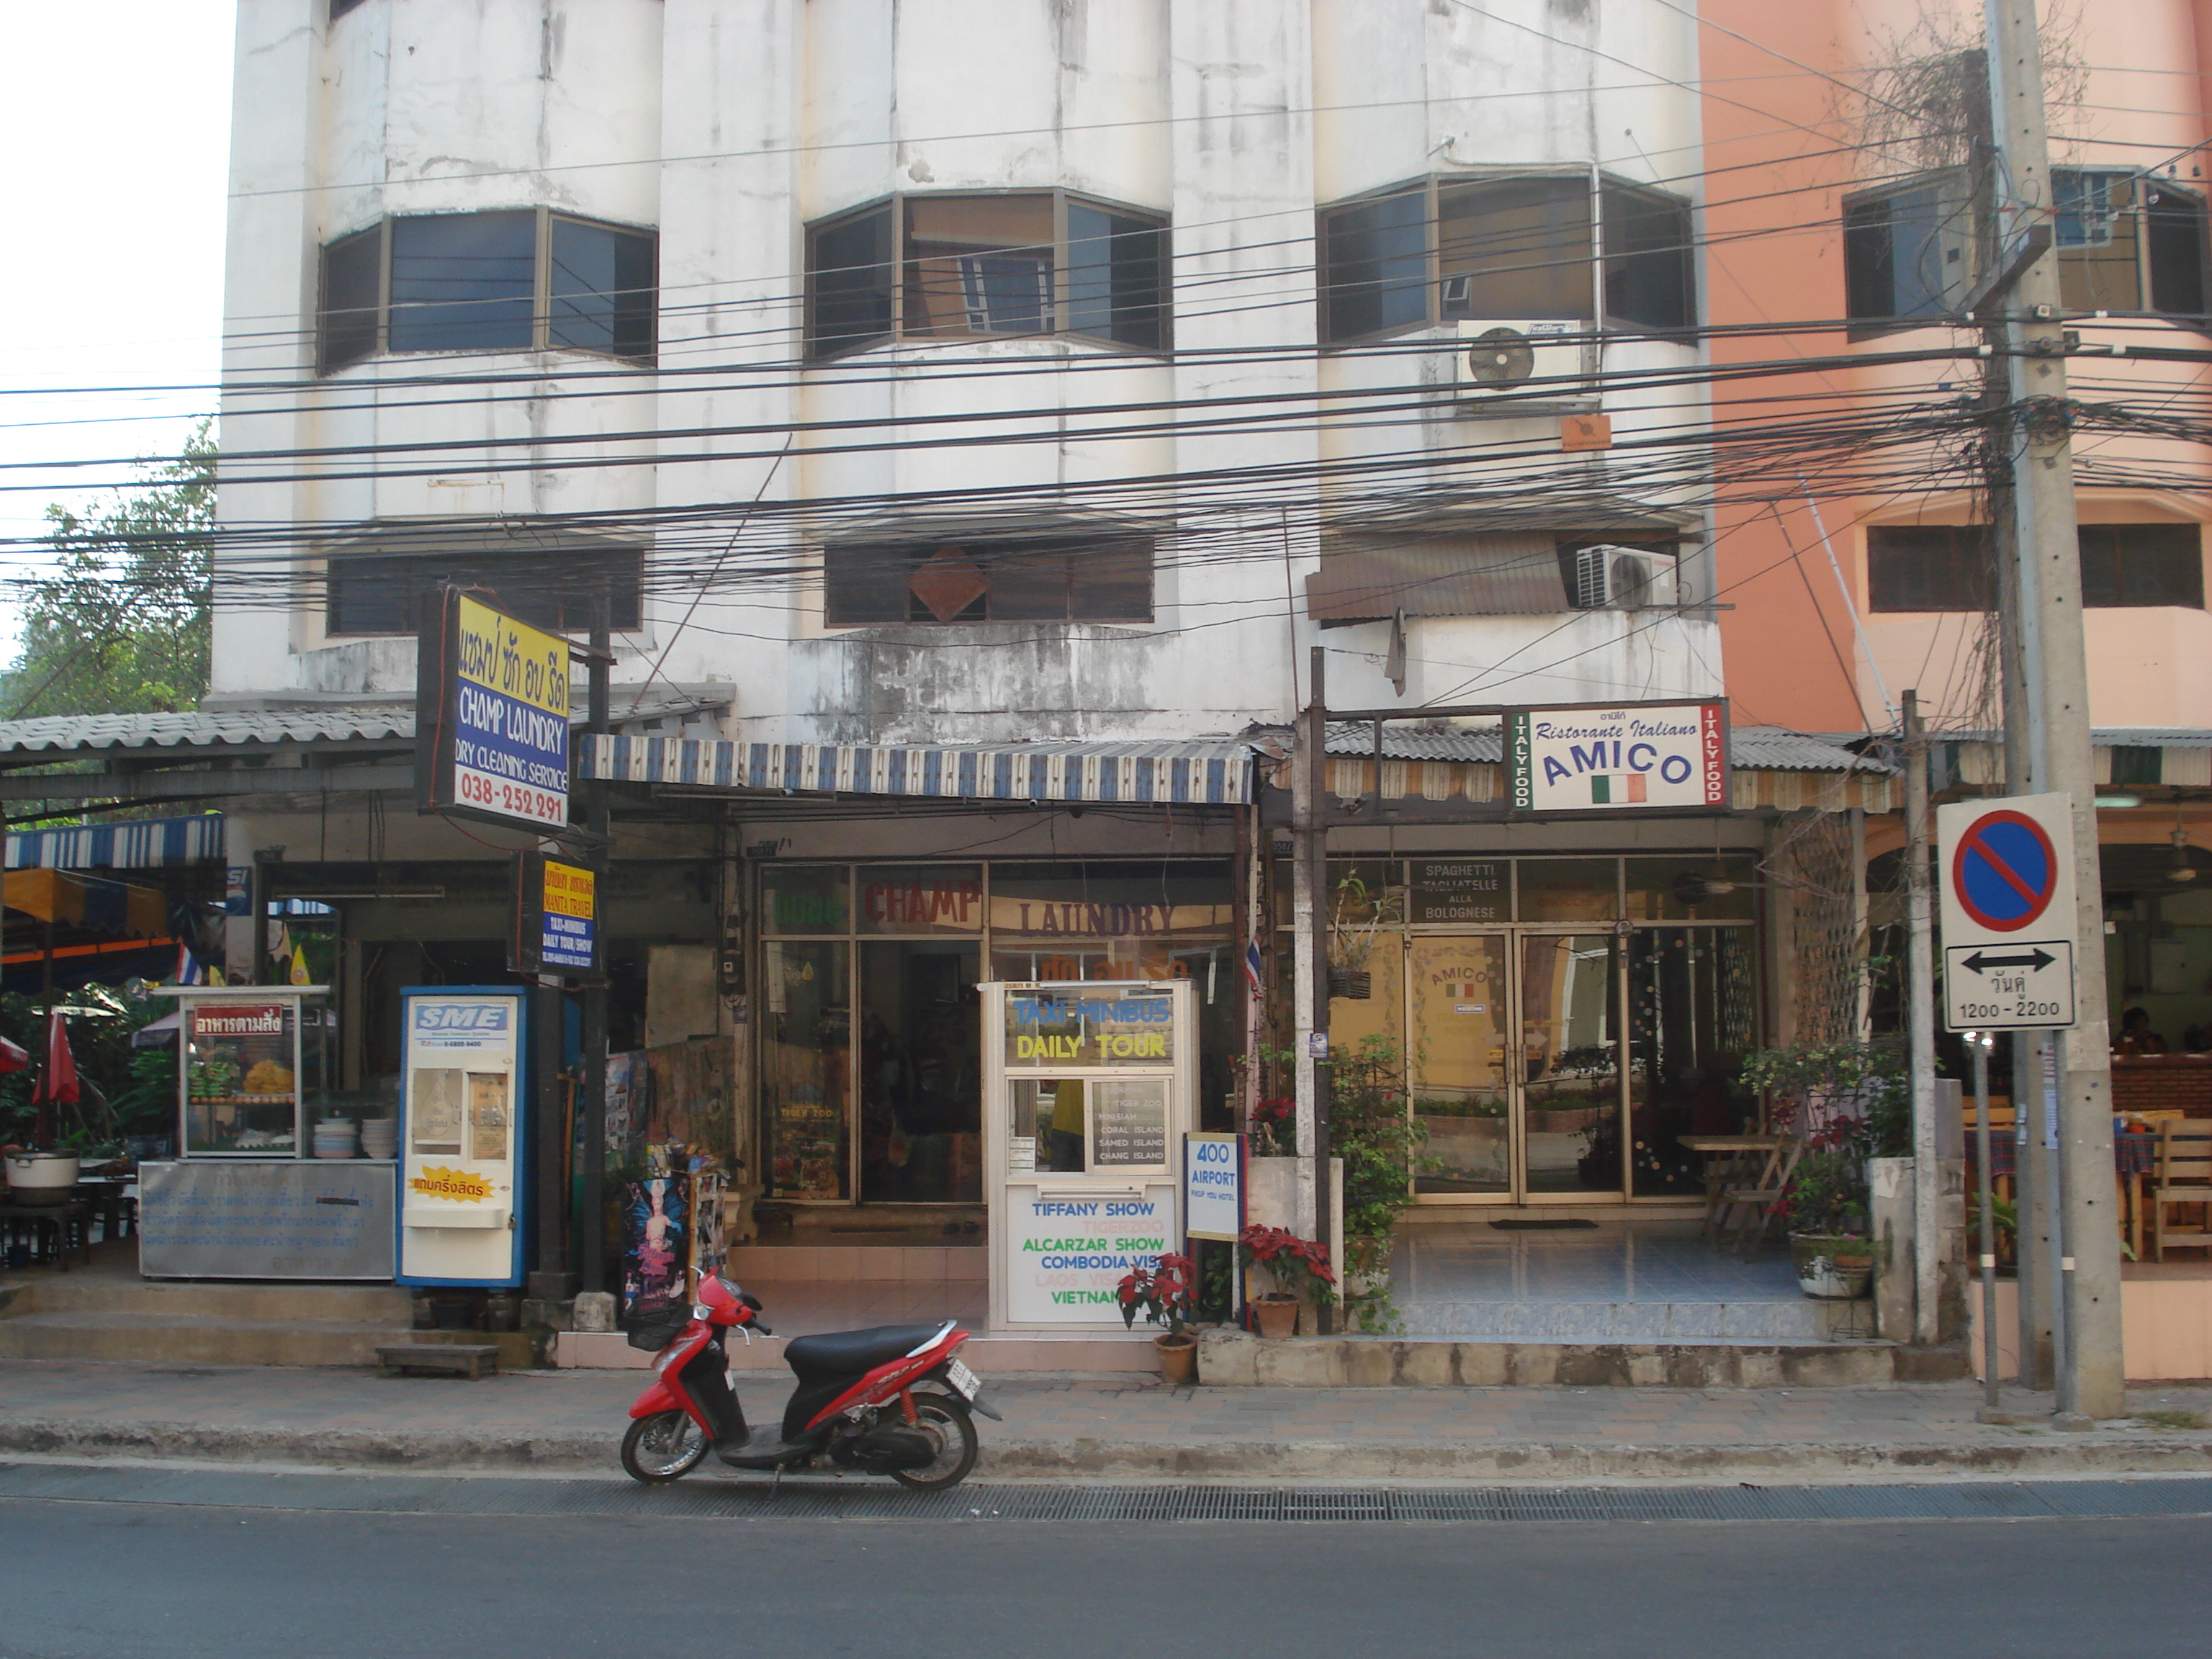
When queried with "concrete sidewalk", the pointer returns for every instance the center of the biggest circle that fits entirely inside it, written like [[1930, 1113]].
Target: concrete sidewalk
[[1117, 1427]]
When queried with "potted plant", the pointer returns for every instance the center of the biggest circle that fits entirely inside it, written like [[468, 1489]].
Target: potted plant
[[1357, 916], [1165, 1290], [1275, 1128], [1299, 1268], [1828, 1208], [1382, 1148]]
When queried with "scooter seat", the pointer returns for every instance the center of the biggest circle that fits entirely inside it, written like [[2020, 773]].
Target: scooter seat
[[848, 1354]]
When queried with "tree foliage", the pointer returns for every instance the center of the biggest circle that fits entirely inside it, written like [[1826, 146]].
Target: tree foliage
[[121, 624]]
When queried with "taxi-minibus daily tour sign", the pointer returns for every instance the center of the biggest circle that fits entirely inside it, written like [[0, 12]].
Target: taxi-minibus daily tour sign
[[491, 717]]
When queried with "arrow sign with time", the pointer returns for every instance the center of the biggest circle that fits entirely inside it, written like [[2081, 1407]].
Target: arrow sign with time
[[2007, 881]]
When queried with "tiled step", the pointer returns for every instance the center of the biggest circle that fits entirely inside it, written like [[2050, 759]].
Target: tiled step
[[1800, 1319], [165, 1339], [182, 1299], [1232, 1359]]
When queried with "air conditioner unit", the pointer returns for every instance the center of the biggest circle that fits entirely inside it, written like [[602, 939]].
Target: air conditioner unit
[[1608, 578], [1496, 362]]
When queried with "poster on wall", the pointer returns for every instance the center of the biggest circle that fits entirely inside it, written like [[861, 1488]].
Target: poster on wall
[[1637, 756], [555, 929], [491, 715], [656, 1217]]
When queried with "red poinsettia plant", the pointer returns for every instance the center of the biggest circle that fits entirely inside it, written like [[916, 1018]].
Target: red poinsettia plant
[[1275, 1128], [1164, 1291], [1299, 1265]]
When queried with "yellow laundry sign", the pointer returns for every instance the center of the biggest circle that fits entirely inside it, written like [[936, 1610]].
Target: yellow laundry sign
[[458, 1184]]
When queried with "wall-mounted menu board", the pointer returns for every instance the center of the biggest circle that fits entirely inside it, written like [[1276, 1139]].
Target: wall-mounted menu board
[[1128, 1123], [1460, 890]]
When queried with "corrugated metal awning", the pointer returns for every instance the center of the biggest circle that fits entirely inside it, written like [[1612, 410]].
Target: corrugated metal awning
[[1216, 773], [139, 844]]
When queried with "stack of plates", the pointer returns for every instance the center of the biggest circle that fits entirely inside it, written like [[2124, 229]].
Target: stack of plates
[[379, 1137], [337, 1137]]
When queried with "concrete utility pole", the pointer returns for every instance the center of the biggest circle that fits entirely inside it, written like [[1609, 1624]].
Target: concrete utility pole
[[1318, 872], [1920, 1028], [2055, 663]]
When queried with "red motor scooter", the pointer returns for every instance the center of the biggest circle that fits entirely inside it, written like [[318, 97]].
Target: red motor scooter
[[892, 1400]]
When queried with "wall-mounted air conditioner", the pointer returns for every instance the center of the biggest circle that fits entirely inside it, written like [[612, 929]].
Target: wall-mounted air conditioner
[[1515, 365], [1608, 578]]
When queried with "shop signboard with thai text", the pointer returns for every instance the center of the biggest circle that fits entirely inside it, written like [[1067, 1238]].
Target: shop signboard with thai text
[[1637, 756], [491, 715], [556, 917]]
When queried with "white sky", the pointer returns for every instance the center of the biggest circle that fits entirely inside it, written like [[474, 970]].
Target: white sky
[[114, 119]]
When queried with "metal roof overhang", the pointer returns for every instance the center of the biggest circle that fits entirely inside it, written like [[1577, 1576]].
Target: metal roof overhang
[[1201, 772]]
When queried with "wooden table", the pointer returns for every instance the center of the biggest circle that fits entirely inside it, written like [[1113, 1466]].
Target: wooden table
[[1721, 1152]]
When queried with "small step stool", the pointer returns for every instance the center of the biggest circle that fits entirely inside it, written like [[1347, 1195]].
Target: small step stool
[[471, 1359]]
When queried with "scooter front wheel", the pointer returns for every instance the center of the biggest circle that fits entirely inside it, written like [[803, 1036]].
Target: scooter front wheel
[[663, 1447], [945, 1420]]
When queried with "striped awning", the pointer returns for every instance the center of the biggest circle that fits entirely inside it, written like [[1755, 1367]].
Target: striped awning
[[139, 844], [1204, 773]]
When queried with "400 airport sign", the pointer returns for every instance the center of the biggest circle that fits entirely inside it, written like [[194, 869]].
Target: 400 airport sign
[[491, 716]]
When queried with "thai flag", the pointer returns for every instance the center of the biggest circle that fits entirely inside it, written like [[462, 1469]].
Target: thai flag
[[189, 971], [1253, 969]]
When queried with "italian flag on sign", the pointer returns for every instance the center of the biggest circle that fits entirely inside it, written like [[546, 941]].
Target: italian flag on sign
[[1615, 789]]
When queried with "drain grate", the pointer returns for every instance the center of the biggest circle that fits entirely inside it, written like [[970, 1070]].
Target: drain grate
[[820, 1499]]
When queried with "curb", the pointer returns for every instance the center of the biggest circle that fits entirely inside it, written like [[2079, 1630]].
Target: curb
[[1226, 1459]]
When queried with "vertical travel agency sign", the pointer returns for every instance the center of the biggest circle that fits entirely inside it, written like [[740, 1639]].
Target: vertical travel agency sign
[[1635, 755], [491, 703]]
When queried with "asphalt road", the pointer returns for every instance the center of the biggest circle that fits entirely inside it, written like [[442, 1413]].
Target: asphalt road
[[105, 1580]]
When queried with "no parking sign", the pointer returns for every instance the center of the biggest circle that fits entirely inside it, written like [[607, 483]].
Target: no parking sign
[[2005, 869]]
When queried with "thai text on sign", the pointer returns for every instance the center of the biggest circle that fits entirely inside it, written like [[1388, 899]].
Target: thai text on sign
[[510, 720]]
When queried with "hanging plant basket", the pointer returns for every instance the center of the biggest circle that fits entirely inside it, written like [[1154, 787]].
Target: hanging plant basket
[[1353, 984]]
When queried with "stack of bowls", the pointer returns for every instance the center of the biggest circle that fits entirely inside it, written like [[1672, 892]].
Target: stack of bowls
[[337, 1137], [379, 1137]]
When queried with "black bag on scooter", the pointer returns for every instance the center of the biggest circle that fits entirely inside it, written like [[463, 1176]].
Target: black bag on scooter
[[655, 1330]]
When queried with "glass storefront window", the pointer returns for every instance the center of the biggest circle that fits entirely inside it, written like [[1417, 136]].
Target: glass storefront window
[[805, 1045], [918, 899], [1567, 889], [1093, 902], [242, 1078], [922, 1101], [803, 898], [1686, 889], [1691, 1014]]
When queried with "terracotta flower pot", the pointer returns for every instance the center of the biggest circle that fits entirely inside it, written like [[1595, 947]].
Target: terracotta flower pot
[[1178, 1352], [1276, 1315]]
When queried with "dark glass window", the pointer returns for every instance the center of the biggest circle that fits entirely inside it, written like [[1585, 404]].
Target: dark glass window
[[966, 267], [476, 281], [602, 288], [1374, 265], [1507, 250], [2128, 242], [463, 281], [849, 281], [1901, 255], [340, 8], [2126, 565], [554, 589], [1927, 567], [1515, 248], [1086, 580], [1117, 267], [1648, 277], [353, 280]]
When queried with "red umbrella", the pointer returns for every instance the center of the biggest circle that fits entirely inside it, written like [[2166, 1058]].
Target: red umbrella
[[59, 1081], [12, 1059]]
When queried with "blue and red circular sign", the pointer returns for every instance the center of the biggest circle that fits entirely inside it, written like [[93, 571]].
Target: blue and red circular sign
[[2003, 871]]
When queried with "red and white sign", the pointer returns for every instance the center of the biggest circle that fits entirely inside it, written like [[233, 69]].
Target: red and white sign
[[240, 1020], [2006, 876]]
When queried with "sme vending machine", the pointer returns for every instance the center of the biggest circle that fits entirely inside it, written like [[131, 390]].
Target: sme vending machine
[[1089, 1087], [461, 1100]]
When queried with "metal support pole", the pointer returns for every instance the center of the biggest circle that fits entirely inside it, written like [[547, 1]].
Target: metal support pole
[[1316, 829], [549, 1278], [1920, 1026], [591, 1071], [2054, 652], [1980, 1042]]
